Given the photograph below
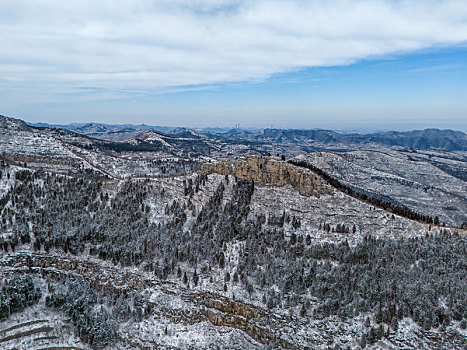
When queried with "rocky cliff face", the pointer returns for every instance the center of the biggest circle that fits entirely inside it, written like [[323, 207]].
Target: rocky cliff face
[[267, 170]]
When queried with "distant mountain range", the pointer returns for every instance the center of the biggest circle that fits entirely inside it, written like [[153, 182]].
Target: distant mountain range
[[85, 128], [446, 140], [307, 140]]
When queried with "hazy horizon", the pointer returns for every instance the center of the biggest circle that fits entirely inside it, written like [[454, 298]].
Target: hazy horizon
[[239, 127]]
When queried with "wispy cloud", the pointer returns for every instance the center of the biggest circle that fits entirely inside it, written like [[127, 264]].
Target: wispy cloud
[[437, 68], [152, 46]]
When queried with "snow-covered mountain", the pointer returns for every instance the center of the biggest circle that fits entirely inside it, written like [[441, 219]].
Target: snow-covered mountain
[[164, 241]]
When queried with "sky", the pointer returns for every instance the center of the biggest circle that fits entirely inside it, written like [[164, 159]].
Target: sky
[[334, 64]]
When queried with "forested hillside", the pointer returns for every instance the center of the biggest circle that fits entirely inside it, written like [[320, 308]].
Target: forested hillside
[[220, 234]]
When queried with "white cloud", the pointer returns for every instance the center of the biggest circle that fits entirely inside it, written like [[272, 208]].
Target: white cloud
[[154, 45]]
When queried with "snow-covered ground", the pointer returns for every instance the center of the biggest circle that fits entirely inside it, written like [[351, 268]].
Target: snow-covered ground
[[410, 179]]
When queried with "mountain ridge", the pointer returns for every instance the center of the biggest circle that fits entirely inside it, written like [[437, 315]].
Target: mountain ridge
[[429, 138]]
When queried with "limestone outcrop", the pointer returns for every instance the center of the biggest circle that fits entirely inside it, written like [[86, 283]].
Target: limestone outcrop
[[268, 170]]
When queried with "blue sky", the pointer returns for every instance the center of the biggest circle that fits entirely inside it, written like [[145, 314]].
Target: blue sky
[[337, 64]]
